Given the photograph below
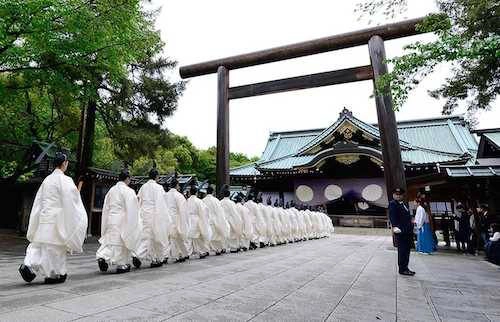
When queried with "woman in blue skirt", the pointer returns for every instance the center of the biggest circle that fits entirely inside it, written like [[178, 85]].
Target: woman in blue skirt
[[425, 242]]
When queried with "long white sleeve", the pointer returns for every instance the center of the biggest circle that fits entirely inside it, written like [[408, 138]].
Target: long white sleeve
[[420, 217]]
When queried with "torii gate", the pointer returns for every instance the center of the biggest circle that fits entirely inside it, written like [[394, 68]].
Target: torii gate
[[391, 153]]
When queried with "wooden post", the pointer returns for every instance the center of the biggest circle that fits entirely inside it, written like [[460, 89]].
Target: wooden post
[[394, 171], [222, 161]]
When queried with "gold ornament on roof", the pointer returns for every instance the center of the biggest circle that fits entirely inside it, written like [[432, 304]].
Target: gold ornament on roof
[[347, 134], [347, 159]]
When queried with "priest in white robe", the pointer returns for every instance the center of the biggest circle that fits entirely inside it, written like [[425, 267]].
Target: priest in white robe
[[180, 246], [153, 212], [220, 226], [259, 223], [57, 224], [264, 237], [247, 228], [234, 219], [120, 227], [200, 232]]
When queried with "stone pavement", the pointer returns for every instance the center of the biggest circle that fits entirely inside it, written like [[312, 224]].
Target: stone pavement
[[343, 278]]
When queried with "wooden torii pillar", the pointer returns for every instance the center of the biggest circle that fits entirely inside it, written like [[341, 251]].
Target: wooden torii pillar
[[374, 37]]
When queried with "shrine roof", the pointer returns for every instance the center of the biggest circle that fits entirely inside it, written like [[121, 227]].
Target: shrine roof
[[445, 139]]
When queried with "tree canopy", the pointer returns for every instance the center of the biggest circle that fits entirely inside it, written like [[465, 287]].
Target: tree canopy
[[467, 37], [57, 55]]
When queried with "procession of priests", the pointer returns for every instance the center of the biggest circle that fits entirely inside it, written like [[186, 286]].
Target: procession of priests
[[155, 226]]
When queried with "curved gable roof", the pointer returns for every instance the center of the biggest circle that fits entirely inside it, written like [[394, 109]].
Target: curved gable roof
[[426, 141]]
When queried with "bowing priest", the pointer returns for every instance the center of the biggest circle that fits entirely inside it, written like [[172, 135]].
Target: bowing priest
[[120, 226], [57, 224]]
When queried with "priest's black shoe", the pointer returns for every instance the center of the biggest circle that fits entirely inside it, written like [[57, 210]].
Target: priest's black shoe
[[137, 262], [123, 269], [56, 280], [412, 272], [26, 273], [407, 273], [156, 264], [103, 266]]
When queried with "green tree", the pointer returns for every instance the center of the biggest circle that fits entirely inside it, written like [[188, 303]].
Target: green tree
[[467, 37], [57, 56]]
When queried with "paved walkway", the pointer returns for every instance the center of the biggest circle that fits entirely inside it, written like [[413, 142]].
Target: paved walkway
[[343, 278]]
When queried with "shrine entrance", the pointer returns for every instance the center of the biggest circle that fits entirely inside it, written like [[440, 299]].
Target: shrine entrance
[[394, 174]]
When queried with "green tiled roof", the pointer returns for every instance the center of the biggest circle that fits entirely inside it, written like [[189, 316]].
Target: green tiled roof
[[426, 141], [494, 138], [472, 171]]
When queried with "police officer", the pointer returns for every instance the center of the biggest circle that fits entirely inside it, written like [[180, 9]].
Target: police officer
[[402, 227]]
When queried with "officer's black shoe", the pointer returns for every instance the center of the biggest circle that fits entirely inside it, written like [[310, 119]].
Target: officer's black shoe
[[244, 249], [56, 280], [26, 273], [234, 251], [407, 273], [123, 269], [103, 266], [203, 255], [165, 261], [155, 264], [137, 262], [223, 251], [217, 253], [262, 245]]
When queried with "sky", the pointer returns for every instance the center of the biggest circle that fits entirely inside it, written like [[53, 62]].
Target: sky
[[197, 31]]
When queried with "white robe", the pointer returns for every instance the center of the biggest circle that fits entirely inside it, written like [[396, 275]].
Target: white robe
[[421, 217], [200, 232], [57, 224], [247, 231], [176, 203], [218, 223], [235, 222], [120, 225], [155, 220], [268, 211], [259, 224], [263, 212]]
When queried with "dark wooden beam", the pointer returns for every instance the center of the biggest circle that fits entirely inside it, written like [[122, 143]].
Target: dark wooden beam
[[222, 158], [394, 171], [302, 82], [316, 46]]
